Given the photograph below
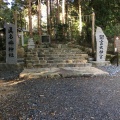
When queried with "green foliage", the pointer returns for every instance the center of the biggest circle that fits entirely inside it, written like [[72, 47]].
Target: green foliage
[[36, 37], [107, 12], [85, 38], [107, 15], [112, 31], [61, 32], [74, 13], [26, 37], [19, 6], [5, 15]]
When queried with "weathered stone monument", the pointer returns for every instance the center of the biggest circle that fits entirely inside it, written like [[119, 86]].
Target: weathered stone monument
[[101, 49], [102, 44], [31, 44], [11, 44]]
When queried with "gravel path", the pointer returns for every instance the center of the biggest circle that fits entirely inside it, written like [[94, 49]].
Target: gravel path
[[82, 98], [112, 70], [9, 75]]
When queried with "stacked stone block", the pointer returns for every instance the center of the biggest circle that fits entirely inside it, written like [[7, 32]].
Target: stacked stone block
[[59, 56]]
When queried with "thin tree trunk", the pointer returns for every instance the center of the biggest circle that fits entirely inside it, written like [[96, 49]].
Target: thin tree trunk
[[93, 33], [48, 16], [63, 11], [39, 17], [66, 15], [80, 18], [30, 19], [58, 12], [15, 17]]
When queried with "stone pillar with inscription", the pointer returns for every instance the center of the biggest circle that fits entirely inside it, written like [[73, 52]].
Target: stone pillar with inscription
[[101, 49], [11, 44], [102, 44]]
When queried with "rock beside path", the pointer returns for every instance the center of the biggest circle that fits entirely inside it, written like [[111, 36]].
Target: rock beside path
[[10, 74], [62, 72]]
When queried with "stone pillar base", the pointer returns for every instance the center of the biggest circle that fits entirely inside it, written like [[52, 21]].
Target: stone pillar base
[[102, 63]]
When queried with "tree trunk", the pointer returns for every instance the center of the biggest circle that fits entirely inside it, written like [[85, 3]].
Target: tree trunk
[[58, 12], [39, 17], [80, 18], [93, 34], [48, 16], [63, 11], [30, 19], [66, 15]]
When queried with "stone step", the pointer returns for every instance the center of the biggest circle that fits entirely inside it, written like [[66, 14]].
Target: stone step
[[47, 52], [56, 61], [58, 72], [61, 50], [64, 55], [29, 53], [32, 61], [32, 50], [53, 56], [62, 59], [51, 48], [21, 60], [56, 52], [52, 45], [58, 49], [32, 58], [47, 65], [59, 56], [65, 61]]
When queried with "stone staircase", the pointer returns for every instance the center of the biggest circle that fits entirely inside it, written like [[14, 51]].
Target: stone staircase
[[56, 56]]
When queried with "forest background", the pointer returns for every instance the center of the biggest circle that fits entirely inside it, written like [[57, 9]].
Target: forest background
[[107, 16]]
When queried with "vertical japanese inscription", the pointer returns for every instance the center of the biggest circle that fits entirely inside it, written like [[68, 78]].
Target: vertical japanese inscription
[[11, 50], [10, 42], [102, 44], [101, 38]]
